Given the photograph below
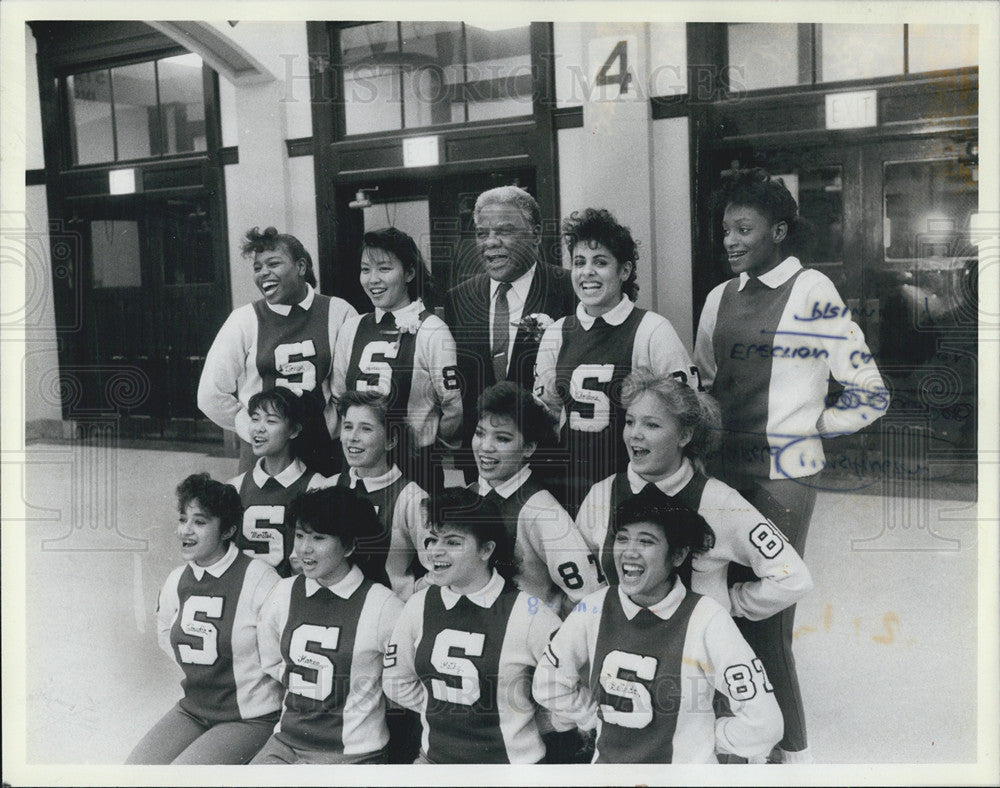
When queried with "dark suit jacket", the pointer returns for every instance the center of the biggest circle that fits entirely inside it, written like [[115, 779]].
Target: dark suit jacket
[[467, 313]]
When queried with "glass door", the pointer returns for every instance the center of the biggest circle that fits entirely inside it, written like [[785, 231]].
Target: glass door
[[154, 295], [921, 273]]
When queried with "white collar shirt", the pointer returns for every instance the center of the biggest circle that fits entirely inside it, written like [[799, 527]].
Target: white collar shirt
[[343, 588], [291, 474], [374, 483], [671, 485], [506, 488], [217, 569], [285, 309], [663, 609], [613, 317], [484, 597], [411, 310], [777, 276], [517, 296]]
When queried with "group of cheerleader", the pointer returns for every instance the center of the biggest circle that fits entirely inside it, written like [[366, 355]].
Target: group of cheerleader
[[616, 584]]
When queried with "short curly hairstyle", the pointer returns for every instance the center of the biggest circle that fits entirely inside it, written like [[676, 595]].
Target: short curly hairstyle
[[392, 419], [598, 226], [256, 242], [215, 498], [684, 528], [510, 195]]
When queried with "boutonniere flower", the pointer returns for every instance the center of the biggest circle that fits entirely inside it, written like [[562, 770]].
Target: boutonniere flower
[[535, 325], [408, 325]]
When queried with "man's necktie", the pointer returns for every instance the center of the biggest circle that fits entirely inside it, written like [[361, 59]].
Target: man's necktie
[[501, 333]]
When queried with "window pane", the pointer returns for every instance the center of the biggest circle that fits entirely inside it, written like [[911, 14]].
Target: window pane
[[90, 117], [432, 66], [182, 104], [114, 248], [135, 111], [371, 63], [187, 244], [860, 51], [498, 76], [668, 53], [935, 47], [764, 55], [821, 204], [927, 208]]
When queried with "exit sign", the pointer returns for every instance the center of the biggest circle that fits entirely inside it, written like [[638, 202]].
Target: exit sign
[[855, 110], [421, 151]]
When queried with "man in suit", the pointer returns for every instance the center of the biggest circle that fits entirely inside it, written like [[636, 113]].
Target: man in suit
[[484, 312]]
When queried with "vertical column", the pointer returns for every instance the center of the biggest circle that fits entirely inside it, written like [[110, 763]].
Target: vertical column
[[609, 165], [258, 188]]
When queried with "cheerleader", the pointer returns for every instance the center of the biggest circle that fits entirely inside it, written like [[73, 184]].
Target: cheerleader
[[768, 342], [669, 429], [286, 339], [583, 358], [402, 349], [642, 661], [323, 634], [463, 651], [553, 561], [278, 476], [207, 620], [365, 438]]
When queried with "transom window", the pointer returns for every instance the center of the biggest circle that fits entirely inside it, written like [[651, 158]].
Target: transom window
[[771, 55], [136, 111], [403, 75]]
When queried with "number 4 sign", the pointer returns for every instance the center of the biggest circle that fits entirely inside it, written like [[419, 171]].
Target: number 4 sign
[[609, 59]]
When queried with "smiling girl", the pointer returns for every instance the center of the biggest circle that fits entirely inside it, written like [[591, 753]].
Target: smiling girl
[[669, 430], [768, 358], [463, 650], [583, 358], [323, 634], [278, 476], [207, 620], [553, 560], [642, 661], [366, 440], [286, 338], [401, 350]]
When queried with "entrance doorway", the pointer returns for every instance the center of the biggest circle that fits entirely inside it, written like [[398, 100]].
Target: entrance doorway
[[893, 228], [152, 271]]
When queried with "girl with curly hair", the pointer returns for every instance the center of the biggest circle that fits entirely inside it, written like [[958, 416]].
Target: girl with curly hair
[[584, 357], [286, 338]]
